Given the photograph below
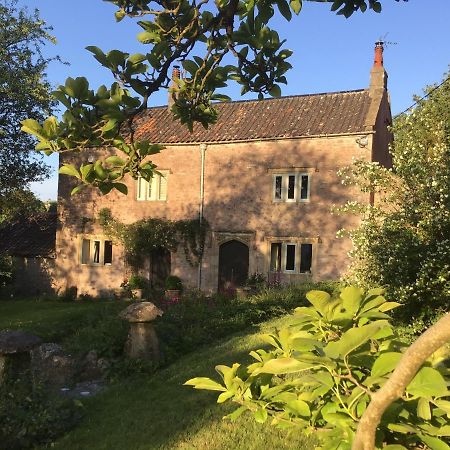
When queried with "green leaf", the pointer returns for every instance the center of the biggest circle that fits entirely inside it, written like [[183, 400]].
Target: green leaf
[[427, 383], [136, 58], [33, 127], [388, 306], [319, 299], [122, 188], [376, 6], [353, 339], [190, 66], [299, 408], [115, 160], [296, 6], [86, 170], [283, 7], [385, 363], [423, 409], [275, 91], [236, 413], [69, 169], [224, 396], [77, 189], [260, 415], [433, 442], [352, 298], [119, 15], [205, 383], [394, 447], [282, 366]]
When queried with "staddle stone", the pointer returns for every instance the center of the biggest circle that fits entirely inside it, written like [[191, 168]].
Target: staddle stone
[[142, 341], [15, 346]]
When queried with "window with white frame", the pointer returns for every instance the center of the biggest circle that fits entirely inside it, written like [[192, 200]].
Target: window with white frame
[[155, 189], [290, 257], [96, 251], [291, 187]]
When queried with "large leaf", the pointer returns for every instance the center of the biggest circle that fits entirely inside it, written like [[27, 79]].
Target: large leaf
[[352, 298], [428, 382], [282, 366], [353, 339], [205, 383], [433, 442], [385, 363], [69, 169], [299, 408], [319, 299]]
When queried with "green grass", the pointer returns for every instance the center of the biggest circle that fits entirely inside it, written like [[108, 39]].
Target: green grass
[[52, 320], [158, 412]]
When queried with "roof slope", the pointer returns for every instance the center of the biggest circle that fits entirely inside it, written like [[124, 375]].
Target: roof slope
[[30, 236], [284, 117]]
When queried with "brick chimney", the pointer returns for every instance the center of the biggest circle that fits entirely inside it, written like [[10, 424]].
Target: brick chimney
[[378, 76], [176, 74]]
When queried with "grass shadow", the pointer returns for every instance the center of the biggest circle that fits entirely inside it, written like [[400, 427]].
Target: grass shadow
[[158, 412]]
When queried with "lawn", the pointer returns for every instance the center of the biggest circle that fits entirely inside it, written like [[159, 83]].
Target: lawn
[[158, 412], [155, 410], [53, 320]]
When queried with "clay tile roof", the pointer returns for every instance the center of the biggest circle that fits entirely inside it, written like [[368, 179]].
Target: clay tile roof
[[31, 236], [284, 117]]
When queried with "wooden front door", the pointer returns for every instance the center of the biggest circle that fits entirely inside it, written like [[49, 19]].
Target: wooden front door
[[233, 264], [160, 266]]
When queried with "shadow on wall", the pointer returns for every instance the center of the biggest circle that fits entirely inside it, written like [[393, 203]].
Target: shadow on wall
[[238, 189], [33, 276]]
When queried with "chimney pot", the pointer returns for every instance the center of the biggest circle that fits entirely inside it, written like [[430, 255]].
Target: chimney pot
[[176, 75], [379, 47]]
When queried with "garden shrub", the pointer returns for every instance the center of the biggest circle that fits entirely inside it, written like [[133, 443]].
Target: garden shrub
[[6, 270], [30, 416], [102, 332], [318, 374]]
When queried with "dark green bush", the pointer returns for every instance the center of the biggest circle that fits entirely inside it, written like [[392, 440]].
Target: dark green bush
[[32, 416], [173, 283], [103, 332], [6, 270], [138, 282]]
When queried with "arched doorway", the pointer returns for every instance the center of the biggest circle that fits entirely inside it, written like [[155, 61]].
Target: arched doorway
[[233, 264]]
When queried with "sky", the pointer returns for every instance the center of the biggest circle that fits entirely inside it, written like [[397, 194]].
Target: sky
[[331, 53]]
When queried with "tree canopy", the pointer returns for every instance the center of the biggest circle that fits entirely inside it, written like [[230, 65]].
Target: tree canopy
[[201, 35], [24, 93]]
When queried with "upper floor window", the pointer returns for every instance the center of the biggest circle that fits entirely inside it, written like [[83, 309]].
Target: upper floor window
[[291, 187], [96, 251], [154, 190]]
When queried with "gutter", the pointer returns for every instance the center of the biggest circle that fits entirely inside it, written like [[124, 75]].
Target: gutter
[[275, 139], [203, 148]]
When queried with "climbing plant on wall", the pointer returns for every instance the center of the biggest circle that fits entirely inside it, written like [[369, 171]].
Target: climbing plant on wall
[[144, 236]]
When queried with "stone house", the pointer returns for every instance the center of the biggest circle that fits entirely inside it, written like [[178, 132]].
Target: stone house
[[30, 241], [264, 177]]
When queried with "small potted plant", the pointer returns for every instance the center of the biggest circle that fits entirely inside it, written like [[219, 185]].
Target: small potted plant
[[137, 286], [173, 287]]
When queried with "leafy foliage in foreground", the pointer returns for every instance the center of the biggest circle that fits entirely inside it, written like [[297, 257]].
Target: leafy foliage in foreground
[[320, 371], [204, 36]]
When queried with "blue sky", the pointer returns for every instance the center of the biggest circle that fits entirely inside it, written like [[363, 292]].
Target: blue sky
[[331, 53]]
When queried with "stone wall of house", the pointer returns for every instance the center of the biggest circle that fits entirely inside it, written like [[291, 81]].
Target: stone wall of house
[[237, 204]]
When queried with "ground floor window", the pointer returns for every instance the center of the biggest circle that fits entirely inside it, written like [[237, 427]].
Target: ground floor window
[[96, 251], [290, 257]]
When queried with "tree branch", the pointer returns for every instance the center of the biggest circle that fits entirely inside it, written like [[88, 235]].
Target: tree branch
[[412, 360]]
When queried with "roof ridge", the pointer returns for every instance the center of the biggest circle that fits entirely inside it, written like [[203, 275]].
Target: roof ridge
[[352, 91]]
